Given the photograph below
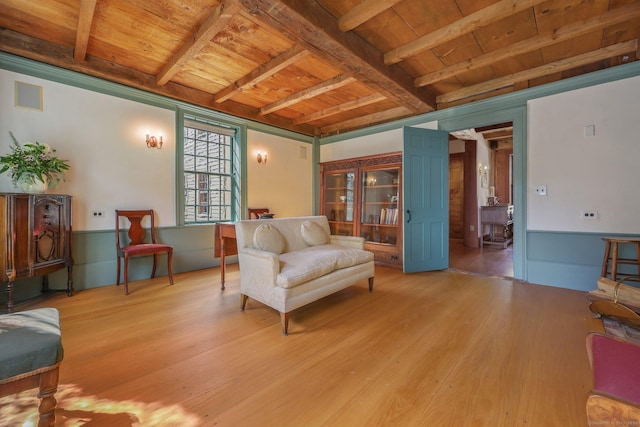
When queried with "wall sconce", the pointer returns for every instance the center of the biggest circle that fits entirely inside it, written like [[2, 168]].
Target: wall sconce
[[262, 157], [153, 142], [483, 173]]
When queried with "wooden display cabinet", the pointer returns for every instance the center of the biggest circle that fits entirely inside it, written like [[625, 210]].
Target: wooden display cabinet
[[362, 197], [37, 239]]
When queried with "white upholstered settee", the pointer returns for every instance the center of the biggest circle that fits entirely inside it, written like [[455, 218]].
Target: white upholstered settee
[[286, 263]]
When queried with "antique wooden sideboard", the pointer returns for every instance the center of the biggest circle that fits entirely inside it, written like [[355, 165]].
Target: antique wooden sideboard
[[36, 232]]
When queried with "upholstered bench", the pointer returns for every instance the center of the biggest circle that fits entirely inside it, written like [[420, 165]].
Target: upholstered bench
[[30, 356]]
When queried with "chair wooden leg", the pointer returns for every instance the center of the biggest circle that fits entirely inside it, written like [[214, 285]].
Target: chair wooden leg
[[169, 266], [243, 301], [118, 272], [155, 265], [126, 275], [284, 321], [47, 389], [370, 284]]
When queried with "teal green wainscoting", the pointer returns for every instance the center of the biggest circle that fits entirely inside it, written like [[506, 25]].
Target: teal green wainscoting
[[94, 254], [569, 260]]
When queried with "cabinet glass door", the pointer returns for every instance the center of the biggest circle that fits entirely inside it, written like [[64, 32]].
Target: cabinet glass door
[[380, 196], [338, 202]]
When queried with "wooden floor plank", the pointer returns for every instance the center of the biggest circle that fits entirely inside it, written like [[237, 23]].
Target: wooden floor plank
[[437, 349]]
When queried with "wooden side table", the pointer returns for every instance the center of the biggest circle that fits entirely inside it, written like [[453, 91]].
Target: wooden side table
[[224, 243], [611, 250]]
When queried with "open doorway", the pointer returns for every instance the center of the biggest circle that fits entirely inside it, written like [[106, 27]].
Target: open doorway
[[481, 174]]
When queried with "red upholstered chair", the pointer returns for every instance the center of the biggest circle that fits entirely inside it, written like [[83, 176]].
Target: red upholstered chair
[[615, 398], [138, 244]]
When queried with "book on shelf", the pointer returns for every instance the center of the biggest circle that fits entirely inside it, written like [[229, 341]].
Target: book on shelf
[[389, 216]]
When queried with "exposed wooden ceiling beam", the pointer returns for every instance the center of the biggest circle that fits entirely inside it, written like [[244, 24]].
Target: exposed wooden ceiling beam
[[505, 134], [309, 24], [50, 53], [554, 67], [263, 72], [364, 12], [336, 109], [369, 119], [326, 86], [85, 19], [211, 26], [612, 17], [460, 27], [495, 127]]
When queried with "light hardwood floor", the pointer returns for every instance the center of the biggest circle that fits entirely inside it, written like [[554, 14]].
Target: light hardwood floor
[[426, 349], [488, 260]]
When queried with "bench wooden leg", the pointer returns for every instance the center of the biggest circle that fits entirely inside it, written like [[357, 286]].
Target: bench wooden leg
[[243, 301], [47, 389], [370, 284]]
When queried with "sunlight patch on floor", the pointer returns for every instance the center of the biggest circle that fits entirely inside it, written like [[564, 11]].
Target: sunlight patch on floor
[[75, 409]]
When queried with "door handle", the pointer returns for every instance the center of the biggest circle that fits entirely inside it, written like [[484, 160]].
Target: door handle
[[408, 216]]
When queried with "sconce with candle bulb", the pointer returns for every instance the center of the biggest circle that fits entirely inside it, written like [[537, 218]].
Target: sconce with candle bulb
[[483, 173], [153, 142], [262, 157]]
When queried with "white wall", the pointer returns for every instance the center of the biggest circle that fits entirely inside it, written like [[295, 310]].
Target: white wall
[[585, 173], [384, 142], [284, 184], [103, 137]]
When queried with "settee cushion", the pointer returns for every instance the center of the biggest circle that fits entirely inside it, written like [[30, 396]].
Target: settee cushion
[[313, 234], [268, 238], [301, 266]]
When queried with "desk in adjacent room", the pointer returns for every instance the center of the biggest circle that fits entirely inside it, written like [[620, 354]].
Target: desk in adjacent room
[[224, 244]]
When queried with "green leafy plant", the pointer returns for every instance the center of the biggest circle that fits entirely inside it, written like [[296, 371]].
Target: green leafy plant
[[33, 159]]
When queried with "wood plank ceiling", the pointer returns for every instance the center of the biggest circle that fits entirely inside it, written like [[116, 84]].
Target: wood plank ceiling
[[326, 66]]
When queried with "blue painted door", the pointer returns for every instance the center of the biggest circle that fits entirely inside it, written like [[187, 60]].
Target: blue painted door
[[425, 165]]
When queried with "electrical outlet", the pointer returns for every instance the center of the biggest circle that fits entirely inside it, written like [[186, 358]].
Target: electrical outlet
[[541, 190], [97, 214], [589, 214]]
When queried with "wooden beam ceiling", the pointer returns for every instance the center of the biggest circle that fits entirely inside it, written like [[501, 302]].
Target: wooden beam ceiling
[[336, 109], [324, 87], [554, 67], [215, 23], [85, 18], [574, 30], [41, 50], [314, 28], [263, 72], [364, 12], [464, 25], [325, 66]]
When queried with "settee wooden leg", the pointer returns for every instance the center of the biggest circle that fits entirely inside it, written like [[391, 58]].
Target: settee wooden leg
[[243, 301], [47, 389], [370, 284], [284, 321]]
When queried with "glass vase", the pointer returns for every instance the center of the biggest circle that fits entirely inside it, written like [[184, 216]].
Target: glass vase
[[28, 183]]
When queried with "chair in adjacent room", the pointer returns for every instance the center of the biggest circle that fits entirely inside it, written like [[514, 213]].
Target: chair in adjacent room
[[138, 244], [254, 213], [30, 356]]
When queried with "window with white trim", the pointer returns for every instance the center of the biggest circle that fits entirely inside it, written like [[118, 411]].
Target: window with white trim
[[208, 172]]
